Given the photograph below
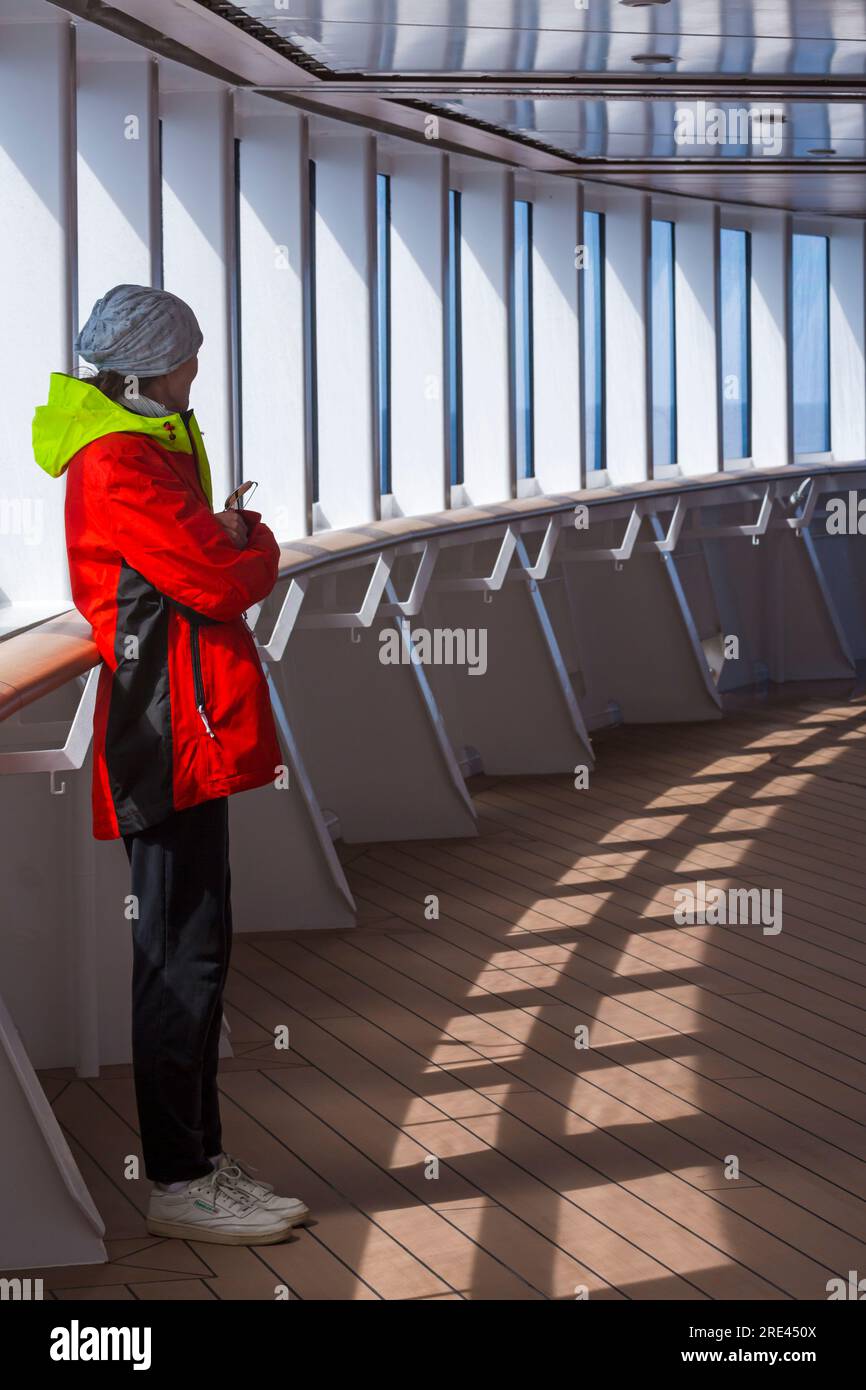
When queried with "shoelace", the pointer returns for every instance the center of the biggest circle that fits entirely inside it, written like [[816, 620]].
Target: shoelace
[[223, 1183], [247, 1170]]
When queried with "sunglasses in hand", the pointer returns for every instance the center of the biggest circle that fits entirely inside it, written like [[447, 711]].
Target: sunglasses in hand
[[235, 501]]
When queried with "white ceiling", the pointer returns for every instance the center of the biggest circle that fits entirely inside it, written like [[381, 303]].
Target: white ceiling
[[597, 128], [554, 87], [565, 79], [522, 37]]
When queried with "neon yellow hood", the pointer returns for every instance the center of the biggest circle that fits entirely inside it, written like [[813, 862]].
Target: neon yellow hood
[[77, 413]]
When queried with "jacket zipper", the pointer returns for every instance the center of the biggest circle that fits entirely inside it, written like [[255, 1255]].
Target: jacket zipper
[[198, 681]]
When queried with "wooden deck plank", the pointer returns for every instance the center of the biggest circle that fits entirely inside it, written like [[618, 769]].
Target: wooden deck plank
[[397, 1093], [606, 871], [340, 1231], [616, 1159], [745, 785], [633, 1086], [643, 905], [752, 801], [576, 1230], [453, 1038], [651, 832], [442, 1254], [669, 949], [101, 1293], [648, 883], [186, 1290], [603, 967], [600, 920], [785, 868]]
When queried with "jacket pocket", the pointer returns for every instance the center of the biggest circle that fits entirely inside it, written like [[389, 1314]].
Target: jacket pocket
[[198, 678]]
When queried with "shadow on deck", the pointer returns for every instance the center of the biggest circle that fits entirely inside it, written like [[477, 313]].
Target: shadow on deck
[[421, 1045]]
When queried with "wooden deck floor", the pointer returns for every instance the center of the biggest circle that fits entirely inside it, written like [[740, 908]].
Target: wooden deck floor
[[455, 1039]]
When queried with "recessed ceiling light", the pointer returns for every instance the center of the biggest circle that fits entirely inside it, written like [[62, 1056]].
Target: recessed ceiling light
[[651, 58], [821, 149]]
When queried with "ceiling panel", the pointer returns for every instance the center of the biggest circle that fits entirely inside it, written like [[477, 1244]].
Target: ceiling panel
[[598, 128], [835, 193], [505, 37], [564, 79]]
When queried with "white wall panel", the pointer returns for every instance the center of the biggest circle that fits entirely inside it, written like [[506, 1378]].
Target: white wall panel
[[771, 392], [556, 234], [419, 245], [345, 298], [487, 223], [118, 194], [36, 292], [847, 343], [626, 336], [274, 213], [699, 440], [198, 166]]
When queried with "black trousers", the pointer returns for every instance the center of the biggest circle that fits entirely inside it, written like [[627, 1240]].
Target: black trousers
[[181, 948]]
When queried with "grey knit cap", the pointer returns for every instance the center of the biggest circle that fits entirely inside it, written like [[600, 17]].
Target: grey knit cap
[[139, 330]]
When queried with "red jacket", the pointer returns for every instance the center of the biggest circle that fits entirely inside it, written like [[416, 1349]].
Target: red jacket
[[182, 708]]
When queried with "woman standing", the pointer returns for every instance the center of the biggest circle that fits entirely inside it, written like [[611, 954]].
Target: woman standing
[[182, 721]]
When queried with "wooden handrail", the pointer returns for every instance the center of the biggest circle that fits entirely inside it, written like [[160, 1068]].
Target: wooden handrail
[[35, 662], [42, 659]]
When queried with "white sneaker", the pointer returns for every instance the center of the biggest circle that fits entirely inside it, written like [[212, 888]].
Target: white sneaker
[[215, 1209], [292, 1208]]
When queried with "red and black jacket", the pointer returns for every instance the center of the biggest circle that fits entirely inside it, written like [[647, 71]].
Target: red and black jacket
[[182, 708]]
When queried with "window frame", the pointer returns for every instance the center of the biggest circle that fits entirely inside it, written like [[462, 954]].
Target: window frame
[[311, 375], [816, 227], [663, 213], [522, 354], [454, 336], [235, 314], [593, 203], [383, 338], [734, 223]]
